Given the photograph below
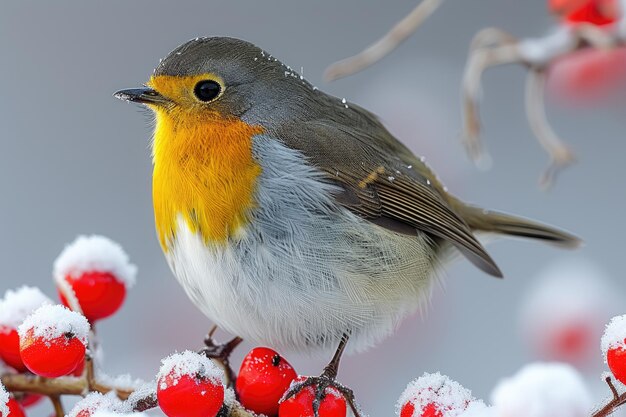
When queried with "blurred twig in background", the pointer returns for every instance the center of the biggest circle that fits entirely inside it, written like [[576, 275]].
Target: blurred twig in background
[[381, 48]]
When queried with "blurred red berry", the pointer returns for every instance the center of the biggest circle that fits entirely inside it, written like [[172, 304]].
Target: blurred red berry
[[15, 409], [263, 378], [52, 358], [10, 349], [616, 359], [431, 410], [596, 12], [588, 75], [301, 404], [100, 294], [28, 400]]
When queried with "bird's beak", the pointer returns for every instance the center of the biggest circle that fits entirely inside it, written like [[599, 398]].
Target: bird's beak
[[142, 95]]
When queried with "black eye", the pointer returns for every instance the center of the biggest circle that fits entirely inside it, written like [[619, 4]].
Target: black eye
[[207, 90]]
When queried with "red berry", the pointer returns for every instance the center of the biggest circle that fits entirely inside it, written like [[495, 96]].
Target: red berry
[[431, 410], [301, 404], [100, 294], [588, 75], [52, 358], [10, 348], [189, 385], [28, 400], [53, 341], [596, 12], [263, 378], [616, 359], [15, 409]]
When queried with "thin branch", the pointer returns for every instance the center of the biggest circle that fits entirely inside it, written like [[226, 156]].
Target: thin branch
[[561, 155], [58, 406], [378, 50], [617, 401]]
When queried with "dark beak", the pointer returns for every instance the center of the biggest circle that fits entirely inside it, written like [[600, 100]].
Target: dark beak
[[141, 95]]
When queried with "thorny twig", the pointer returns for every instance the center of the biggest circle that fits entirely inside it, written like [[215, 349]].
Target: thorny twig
[[378, 50], [617, 401], [493, 47]]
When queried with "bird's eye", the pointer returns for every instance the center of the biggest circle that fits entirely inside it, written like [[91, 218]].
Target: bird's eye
[[207, 90]]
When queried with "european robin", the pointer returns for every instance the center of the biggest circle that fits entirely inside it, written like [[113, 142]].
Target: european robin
[[291, 217]]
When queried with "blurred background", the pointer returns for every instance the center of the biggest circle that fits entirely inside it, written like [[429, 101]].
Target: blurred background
[[74, 160]]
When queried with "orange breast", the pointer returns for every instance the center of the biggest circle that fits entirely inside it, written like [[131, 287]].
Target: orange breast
[[204, 173]]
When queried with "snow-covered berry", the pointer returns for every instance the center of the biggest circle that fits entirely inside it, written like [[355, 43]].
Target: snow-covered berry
[[613, 345], [98, 272], [93, 403], [565, 310], [301, 404], [14, 308], [190, 385], [263, 378], [433, 395], [539, 389], [53, 341]]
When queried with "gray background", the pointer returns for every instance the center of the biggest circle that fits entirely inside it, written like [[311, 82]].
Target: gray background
[[75, 160]]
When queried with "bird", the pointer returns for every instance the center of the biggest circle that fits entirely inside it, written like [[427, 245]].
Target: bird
[[294, 218]]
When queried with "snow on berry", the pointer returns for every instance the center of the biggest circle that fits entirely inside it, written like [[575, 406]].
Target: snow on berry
[[613, 346], [106, 413], [190, 385], [301, 404], [53, 341], [98, 272], [541, 390], [4, 402], [93, 403], [563, 314], [433, 395], [14, 308], [19, 304], [94, 253], [14, 409], [52, 321], [263, 378]]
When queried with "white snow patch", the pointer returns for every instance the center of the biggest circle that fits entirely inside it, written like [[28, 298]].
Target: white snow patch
[[96, 402], [229, 397], [614, 335], [542, 390], [52, 321], [4, 402], [125, 382], [188, 363], [450, 397], [477, 409], [540, 51], [19, 304], [94, 253]]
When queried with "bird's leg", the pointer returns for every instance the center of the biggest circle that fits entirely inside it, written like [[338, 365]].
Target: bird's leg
[[221, 353], [327, 379]]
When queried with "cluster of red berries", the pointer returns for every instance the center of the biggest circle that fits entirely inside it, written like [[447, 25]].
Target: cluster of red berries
[[190, 385], [50, 340]]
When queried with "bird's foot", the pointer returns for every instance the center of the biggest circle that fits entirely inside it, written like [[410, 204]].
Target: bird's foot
[[320, 385], [221, 354]]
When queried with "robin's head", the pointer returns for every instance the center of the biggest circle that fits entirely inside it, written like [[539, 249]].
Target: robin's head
[[216, 78]]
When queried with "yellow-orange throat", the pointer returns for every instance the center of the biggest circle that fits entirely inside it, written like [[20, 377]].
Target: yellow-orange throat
[[204, 172]]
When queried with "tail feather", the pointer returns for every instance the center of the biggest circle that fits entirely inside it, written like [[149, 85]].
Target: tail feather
[[491, 221]]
